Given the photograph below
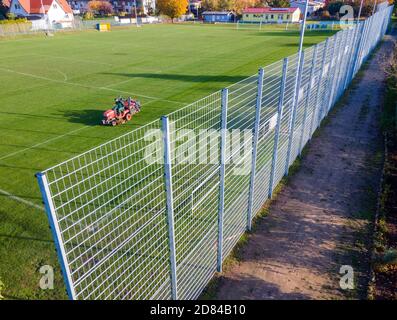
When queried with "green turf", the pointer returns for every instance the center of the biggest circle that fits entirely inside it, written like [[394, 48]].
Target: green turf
[[54, 89]]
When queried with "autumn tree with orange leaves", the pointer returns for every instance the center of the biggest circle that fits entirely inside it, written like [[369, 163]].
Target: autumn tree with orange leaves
[[100, 6], [172, 8]]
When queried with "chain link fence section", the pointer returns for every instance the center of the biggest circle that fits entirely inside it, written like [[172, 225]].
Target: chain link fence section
[[154, 213]]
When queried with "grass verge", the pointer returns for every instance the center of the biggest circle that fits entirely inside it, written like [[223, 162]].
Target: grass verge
[[384, 258]]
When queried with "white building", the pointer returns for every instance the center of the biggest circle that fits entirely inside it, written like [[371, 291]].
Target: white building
[[313, 6], [51, 11], [271, 15], [128, 6]]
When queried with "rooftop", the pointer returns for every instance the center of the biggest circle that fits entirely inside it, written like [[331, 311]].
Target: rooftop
[[270, 10]]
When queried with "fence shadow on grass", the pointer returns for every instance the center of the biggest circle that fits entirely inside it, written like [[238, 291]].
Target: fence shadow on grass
[[181, 77], [26, 238], [294, 33]]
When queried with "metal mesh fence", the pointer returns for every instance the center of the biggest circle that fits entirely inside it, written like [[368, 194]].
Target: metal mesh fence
[[77, 24], [121, 233]]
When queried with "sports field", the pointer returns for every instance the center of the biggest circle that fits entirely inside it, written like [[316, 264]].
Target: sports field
[[53, 91]]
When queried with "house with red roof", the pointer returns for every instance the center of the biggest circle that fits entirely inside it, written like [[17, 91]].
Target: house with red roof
[[4, 7], [52, 11], [6, 3], [271, 15]]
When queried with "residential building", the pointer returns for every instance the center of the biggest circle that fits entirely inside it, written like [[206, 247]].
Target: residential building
[[52, 11], [143, 6], [6, 3], [313, 6], [271, 15]]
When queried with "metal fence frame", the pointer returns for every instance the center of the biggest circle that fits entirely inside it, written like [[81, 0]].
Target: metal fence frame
[[125, 229]]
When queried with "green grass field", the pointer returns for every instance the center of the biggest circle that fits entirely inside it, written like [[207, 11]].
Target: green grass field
[[53, 91]]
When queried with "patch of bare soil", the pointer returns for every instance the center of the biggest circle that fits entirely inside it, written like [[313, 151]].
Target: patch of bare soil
[[322, 219]]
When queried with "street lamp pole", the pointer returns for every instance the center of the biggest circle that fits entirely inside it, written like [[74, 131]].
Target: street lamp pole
[[303, 27], [374, 9]]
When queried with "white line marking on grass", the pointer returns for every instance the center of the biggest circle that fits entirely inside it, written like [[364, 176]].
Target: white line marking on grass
[[17, 56], [18, 199], [65, 77], [73, 59], [41, 143], [31, 204], [90, 87]]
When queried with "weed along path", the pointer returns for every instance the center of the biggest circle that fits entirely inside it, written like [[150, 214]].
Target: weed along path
[[322, 219]]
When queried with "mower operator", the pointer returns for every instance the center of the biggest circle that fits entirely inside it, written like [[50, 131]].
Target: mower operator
[[119, 106]]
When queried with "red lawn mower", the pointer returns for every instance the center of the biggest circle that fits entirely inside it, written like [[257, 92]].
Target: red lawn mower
[[122, 111]]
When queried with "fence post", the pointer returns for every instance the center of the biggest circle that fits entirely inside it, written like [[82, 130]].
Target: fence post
[[345, 71], [318, 92], [338, 92], [280, 109], [329, 77], [56, 233], [169, 202], [255, 147], [367, 39], [314, 58], [362, 27], [291, 126], [333, 81], [221, 208], [362, 47], [357, 63], [338, 64], [351, 56]]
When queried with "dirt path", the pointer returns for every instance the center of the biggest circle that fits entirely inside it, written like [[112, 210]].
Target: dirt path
[[322, 219]]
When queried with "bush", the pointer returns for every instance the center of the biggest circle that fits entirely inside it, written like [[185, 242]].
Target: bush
[[390, 257], [10, 16], [334, 7], [19, 20], [325, 15], [88, 15], [1, 289]]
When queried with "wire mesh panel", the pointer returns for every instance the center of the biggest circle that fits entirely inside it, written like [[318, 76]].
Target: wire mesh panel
[[194, 137], [107, 206], [267, 127], [241, 119]]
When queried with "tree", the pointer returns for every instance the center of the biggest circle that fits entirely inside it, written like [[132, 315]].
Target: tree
[[225, 5], [101, 7], [325, 15], [240, 5], [279, 3], [3, 8], [334, 7], [172, 8], [209, 5]]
